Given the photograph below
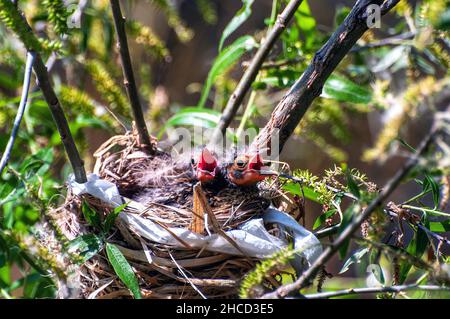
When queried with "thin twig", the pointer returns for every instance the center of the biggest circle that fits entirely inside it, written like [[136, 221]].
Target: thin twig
[[20, 111], [293, 106], [305, 278], [250, 74], [371, 290], [130, 83], [391, 41]]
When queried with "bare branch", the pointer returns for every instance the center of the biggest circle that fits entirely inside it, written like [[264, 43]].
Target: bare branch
[[43, 81], [130, 83], [309, 274], [20, 111], [371, 290], [291, 109], [250, 74]]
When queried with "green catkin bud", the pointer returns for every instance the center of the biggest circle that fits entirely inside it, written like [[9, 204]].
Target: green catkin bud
[[145, 36], [57, 15], [262, 270], [108, 88], [13, 20]]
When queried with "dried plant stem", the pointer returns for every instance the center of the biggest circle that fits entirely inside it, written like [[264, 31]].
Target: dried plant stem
[[130, 82], [309, 274], [252, 71], [20, 111]]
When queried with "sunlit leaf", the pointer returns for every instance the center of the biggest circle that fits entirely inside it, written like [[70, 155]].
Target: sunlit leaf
[[123, 269], [193, 116], [112, 216], [91, 216], [86, 246], [225, 60], [237, 20], [354, 259], [344, 90], [390, 58], [322, 218]]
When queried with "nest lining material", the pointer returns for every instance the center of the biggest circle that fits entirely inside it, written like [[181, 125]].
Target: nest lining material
[[173, 268]]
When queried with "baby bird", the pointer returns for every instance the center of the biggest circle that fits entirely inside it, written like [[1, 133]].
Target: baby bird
[[247, 170], [208, 170], [204, 165]]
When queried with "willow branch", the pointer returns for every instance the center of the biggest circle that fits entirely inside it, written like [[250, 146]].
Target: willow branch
[[130, 82], [293, 106], [252, 71], [20, 111], [371, 290], [309, 274], [43, 81]]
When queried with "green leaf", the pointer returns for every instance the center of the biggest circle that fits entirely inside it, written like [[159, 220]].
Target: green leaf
[[390, 58], [112, 216], [322, 218], [405, 144], [430, 183], [294, 188], [352, 186], [347, 219], [344, 90], [91, 216], [377, 272], [237, 20], [86, 246], [306, 23], [123, 269], [223, 61], [192, 116], [354, 259], [440, 227], [416, 247]]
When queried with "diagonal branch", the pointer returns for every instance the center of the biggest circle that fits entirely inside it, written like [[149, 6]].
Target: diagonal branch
[[21, 27], [293, 106], [252, 71], [50, 97], [20, 111], [309, 274], [130, 82]]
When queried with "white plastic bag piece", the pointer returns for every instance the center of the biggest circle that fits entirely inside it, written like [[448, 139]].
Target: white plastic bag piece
[[251, 236]]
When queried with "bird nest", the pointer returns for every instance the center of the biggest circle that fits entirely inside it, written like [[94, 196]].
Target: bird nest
[[162, 191]]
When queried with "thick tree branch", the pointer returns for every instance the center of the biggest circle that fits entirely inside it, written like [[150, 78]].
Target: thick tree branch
[[130, 83], [252, 71], [20, 111], [291, 109], [309, 274], [372, 290]]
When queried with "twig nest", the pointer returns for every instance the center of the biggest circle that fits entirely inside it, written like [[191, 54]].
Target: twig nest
[[161, 193]]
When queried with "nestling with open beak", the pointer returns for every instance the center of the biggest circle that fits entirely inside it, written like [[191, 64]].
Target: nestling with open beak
[[247, 170], [205, 167]]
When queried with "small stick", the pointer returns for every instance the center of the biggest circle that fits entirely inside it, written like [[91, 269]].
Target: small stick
[[130, 83], [369, 290], [214, 223], [250, 74], [20, 111]]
